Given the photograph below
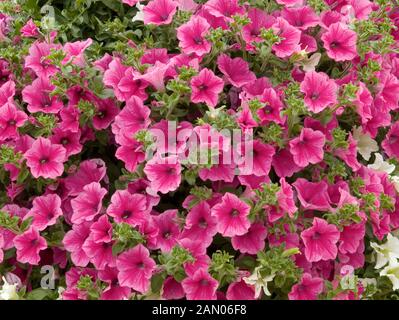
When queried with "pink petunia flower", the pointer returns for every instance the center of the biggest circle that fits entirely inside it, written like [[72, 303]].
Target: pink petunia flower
[[225, 9], [290, 3], [135, 268], [312, 195], [101, 230], [99, 253], [262, 155], [239, 290], [308, 147], [75, 52], [251, 242], [172, 290], [29, 29], [391, 141], [235, 70], [340, 42], [68, 139], [271, 111], [290, 37], [320, 91], [259, 19], [87, 205], [192, 36], [128, 208], [133, 117], [37, 59], [11, 118], [308, 289], [73, 242], [131, 153], [37, 96], [320, 241], [106, 111], [164, 173], [114, 291], [200, 286], [232, 216], [28, 245], [206, 88], [45, 159], [285, 198], [159, 12], [200, 224], [283, 163], [45, 211], [168, 230], [301, 17], [130, 3], [351, 238]]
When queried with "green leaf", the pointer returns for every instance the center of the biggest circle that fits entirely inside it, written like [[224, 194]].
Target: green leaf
[[38, 294], [26, 224], [157, 281]]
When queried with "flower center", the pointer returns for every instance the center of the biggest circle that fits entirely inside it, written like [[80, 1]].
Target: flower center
[[234, 213], [12, 122], [140, 265], [316, 236], [204, 282], [126, 214], [198, 40], [202, 223], [167, 234], [314, 96], [43, 160], [334, 44]]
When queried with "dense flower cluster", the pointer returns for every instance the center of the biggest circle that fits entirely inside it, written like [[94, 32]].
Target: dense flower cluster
[[124, 164]]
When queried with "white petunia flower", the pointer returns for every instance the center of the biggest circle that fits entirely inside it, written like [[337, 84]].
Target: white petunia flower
[[387, 251], [365, 144], [8, 291], [395, 181], [259, 282], [392, 272], [381, 165], [140, 13]]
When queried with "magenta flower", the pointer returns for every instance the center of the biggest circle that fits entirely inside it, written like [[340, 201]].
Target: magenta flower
[[163, 173], [29, 29], [351, 237], [106, 113], [262, 155], [99, 253], [200, 224], [225, 9], [239, 290], [87, 205], [308, 289], [11, 118], [7, 92], [168, 230], [391, 141], [128, 208], [75, 52], [133, 117], [285, 198], [135, 268], [290, 37], [130, 3], [340, 42], [200, 286], [28, 245], [235, 70], [172, 290], [283, 163], [301, 18], [271, 111], [68, 139], [37, 59], [45, 211], [192, 36], [232, 216], [131, 153], [114, 291], [206, 88], [259, 19], [159, 12], [37, 96], [312, 195], [308, 147], [320, 91], [320, 241], [251, 242], [45, 159], [73, 242], [101, 230]]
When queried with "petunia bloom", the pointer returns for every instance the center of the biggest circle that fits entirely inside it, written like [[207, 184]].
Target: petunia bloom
[[290, 37], [192, 34], [206, 87], [11, 118], [232, 216], [308, 289], [235, 70], [135, 268], [28, 245], [320, 241], [340, 42], [320, 91], [200, 286], [159, 12], [45, 211], [45, 159], [308, 147]]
